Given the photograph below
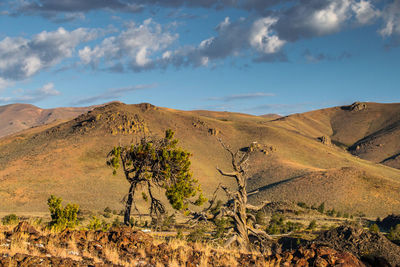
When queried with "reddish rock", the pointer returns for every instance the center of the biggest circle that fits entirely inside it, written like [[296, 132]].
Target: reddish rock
[[320, 262]]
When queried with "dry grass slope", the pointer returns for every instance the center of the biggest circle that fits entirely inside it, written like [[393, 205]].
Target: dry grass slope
[[68, 158]]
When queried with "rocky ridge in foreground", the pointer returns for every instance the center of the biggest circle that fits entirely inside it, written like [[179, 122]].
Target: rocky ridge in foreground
[[24, 245]]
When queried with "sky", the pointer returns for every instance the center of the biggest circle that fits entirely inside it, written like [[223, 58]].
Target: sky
[[250, 56]]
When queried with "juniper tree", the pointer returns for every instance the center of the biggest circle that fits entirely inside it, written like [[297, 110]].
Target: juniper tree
[[157, 163], [237, 206]]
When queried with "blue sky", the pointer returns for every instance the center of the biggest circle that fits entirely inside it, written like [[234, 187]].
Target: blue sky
[[253, 56]]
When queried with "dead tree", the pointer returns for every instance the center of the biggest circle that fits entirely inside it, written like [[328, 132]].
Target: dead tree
[[237, 206]]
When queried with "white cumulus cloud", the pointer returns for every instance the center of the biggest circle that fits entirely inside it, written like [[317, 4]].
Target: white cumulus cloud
[[22, 58]]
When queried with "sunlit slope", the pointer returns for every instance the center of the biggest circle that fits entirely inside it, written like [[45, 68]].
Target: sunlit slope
[[369, 130], [17, 117], [68, 159]]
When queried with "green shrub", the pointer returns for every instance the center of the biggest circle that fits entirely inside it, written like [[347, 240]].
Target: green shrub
[[277, 225], [260, 217], [179, 234], [331, 212], [10, 219], [197, 235], [95, 224], [312, 225], [374, 228], [321, 208], [302, 205], [394, 234], [107, 215], [116, 222], [220, 227], [62, 218]]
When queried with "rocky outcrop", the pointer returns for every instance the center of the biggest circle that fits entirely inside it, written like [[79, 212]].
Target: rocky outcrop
[[124, 246], [373, 248], [213, 131], [358, 106], [326, 140]]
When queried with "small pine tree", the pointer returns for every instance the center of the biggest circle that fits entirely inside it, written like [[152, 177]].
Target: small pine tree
[[321, 208], [62, 217], [374, 228]]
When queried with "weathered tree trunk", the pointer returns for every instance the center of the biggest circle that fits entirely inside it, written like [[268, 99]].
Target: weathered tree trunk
[[237, 209], [128, 205]]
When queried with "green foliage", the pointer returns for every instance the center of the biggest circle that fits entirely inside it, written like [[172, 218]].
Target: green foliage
[[161, 164], [216, 208], [321, 208], [260, 217], [96, 224], [179, 234], [10, 219], [277, 225], [394, 234], [62, 217], [312, 225], [374, 228], [107, 210], [116, 222], [107, 215], [302, 205], [220, 227], [197, 235], [331, 212]]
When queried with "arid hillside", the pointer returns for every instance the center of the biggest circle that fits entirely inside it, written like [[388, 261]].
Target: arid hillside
[[18, 117], [368, 130], [68, 159]]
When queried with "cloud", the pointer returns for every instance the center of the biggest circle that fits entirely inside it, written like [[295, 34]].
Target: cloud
[[133, 47], [22, 58], [73, 9], [261, 37], [232, 39], [315, 58], [391, 27], [113, 93], [230, 98], [314, 18], [31, 96], [4, 84]]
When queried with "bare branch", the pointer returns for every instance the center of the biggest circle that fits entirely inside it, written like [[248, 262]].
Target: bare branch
[[229, 174], [258, 207]]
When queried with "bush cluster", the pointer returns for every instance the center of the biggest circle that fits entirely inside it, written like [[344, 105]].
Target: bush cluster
[[62, 217], [10, 219]]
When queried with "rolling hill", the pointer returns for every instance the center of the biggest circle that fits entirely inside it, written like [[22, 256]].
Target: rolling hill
[[68, 158], [18, 117]]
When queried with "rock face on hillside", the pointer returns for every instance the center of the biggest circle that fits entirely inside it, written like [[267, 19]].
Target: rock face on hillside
[[358, 106], [372, 248], [326, 140]]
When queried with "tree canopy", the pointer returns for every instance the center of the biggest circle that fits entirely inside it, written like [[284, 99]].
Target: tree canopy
[[157, 163]]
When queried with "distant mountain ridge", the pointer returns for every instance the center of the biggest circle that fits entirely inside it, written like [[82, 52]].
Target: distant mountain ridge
[[18, 117]]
